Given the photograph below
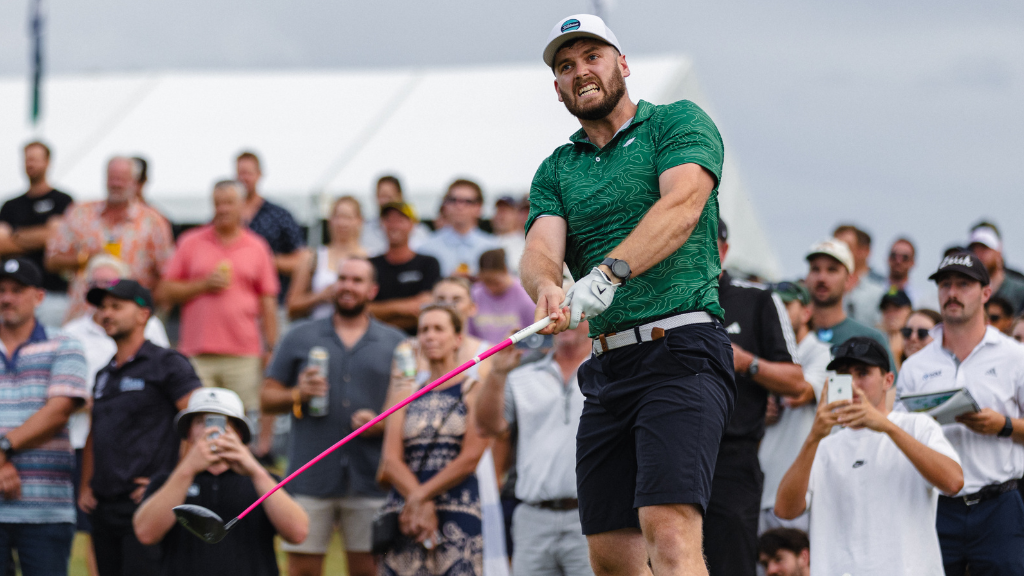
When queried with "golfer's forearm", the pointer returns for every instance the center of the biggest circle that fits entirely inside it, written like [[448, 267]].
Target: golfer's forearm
[[155, 517], [783, 378], [664, 229], [288, 518], [543, 258], [938, 469], [791, 499], [490, 406]]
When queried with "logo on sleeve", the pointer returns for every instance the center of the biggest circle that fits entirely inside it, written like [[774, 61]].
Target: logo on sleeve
[[858, 463], [570, 25], [991, 371], [132, 384]]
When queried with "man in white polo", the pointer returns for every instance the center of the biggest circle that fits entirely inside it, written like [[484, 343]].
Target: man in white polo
[[983, 526], [543, 398]]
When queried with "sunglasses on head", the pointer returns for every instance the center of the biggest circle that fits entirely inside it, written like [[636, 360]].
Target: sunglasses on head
[[852, 349], [922, 333]]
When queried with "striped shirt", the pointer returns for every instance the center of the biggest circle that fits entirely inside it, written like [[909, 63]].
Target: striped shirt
[[48, 365]]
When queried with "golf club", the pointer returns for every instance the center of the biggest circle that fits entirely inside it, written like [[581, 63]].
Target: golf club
[[208, 526]]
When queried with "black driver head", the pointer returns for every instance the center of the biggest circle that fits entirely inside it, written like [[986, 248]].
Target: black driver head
[[202, 522]]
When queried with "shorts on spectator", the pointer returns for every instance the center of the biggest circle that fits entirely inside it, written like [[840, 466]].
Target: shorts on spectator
[[651, 425], [242, 374], [353, 514]]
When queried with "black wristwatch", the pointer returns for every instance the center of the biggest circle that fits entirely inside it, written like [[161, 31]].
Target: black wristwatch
[[620, 269], [1008, 429], [5, 447]]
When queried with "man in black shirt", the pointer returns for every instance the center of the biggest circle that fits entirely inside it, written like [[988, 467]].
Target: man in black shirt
[[764, 353], [405, 277], [132, 440], [25, 224], [218, 472]]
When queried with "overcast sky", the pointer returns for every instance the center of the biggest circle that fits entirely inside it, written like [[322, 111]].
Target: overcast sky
[[902, 117]]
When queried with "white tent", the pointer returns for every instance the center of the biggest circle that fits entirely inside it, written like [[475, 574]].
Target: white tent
[[325, 133]]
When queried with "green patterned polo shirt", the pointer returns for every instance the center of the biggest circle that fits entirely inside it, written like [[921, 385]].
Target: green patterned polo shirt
[[603, 193]]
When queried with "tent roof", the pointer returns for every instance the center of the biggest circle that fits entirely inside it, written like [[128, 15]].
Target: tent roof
[[329, 132]]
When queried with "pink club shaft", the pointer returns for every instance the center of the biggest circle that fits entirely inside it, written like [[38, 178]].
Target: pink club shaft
[[515, 338]]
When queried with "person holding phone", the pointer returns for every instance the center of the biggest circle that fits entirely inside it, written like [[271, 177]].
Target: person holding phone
[[872, 488], [219, 472], [135, 399]]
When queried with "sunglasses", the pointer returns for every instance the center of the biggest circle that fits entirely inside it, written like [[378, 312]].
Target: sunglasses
[[899, 257], [463, 201], [922, 333], [856, 349], [993, 318]]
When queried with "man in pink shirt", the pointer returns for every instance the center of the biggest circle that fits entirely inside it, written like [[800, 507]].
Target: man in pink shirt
[[223, 275]]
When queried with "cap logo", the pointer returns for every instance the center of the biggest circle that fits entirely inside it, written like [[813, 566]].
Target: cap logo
[[963, 260], [11, 266], [570, 25]]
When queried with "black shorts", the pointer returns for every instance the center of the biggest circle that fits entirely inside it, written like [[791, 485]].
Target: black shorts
[[652, 420]]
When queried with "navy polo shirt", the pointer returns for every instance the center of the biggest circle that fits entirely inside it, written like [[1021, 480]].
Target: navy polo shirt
[[133, 433], [358, 378]]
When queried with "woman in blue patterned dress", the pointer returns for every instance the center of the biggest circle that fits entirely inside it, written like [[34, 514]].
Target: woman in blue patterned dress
[[430, 455]]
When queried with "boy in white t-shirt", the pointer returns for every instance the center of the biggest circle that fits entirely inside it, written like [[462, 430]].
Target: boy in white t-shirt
[[872, 488]]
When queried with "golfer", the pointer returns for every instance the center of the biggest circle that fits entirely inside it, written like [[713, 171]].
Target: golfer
[[631, 205]]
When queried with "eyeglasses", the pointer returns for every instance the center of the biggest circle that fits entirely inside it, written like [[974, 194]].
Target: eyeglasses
[[899, 257], [463, 201], [922, 333]]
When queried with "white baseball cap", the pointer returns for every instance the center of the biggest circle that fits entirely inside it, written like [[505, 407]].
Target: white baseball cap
[[577, 26], [835, 248], [986, 236], [214, 401]]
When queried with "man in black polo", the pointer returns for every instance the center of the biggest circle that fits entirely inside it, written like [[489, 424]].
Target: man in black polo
[[133, 438], [764, 352]]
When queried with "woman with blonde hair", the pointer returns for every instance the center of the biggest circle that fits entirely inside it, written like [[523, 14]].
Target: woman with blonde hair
[[314, 285]]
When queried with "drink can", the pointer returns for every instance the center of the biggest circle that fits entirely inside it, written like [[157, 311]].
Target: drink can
[[405, 360], [318, 358]]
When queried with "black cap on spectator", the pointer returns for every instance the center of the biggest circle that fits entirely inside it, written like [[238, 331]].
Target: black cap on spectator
[[23, 271], [895, 297], [965, 263], [723, 231], [860, 349], [122, 290]]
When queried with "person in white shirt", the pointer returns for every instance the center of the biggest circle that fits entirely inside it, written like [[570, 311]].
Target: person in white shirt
[[982, 528], [872, 487], [789, 420], [544, 401]]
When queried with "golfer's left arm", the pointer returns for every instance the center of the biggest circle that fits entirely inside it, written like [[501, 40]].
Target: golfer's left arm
[[685, 190]]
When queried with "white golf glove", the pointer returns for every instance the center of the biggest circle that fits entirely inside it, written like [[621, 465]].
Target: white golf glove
[[590, 296]]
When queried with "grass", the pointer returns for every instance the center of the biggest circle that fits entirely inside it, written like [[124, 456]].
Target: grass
[[334, 566]]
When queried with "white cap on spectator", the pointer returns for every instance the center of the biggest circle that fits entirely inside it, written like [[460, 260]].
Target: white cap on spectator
[[214, 401], [577, 26], [835, 248], [987, 237]]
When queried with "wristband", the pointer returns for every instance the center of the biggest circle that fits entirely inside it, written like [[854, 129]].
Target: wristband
[[1007, 430], [297, 403]]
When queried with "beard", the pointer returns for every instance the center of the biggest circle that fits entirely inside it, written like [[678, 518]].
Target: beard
[[350, 312], [613, 93]]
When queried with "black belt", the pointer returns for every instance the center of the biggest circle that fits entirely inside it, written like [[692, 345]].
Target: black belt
[[986, 493], [560, 504]]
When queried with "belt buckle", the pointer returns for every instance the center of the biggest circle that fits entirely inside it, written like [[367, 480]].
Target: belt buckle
[[971, 501]]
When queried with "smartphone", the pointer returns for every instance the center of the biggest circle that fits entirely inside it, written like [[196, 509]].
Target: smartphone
[[840, 387], [216, 421], [536, 342]]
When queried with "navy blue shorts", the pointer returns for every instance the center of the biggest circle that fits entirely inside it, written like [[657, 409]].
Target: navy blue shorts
[[652, 420]]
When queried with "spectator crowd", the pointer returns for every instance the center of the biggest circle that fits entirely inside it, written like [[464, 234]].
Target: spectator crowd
[[143, 370]]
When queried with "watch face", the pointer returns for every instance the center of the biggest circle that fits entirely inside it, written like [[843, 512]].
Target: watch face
[[620, 269]]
